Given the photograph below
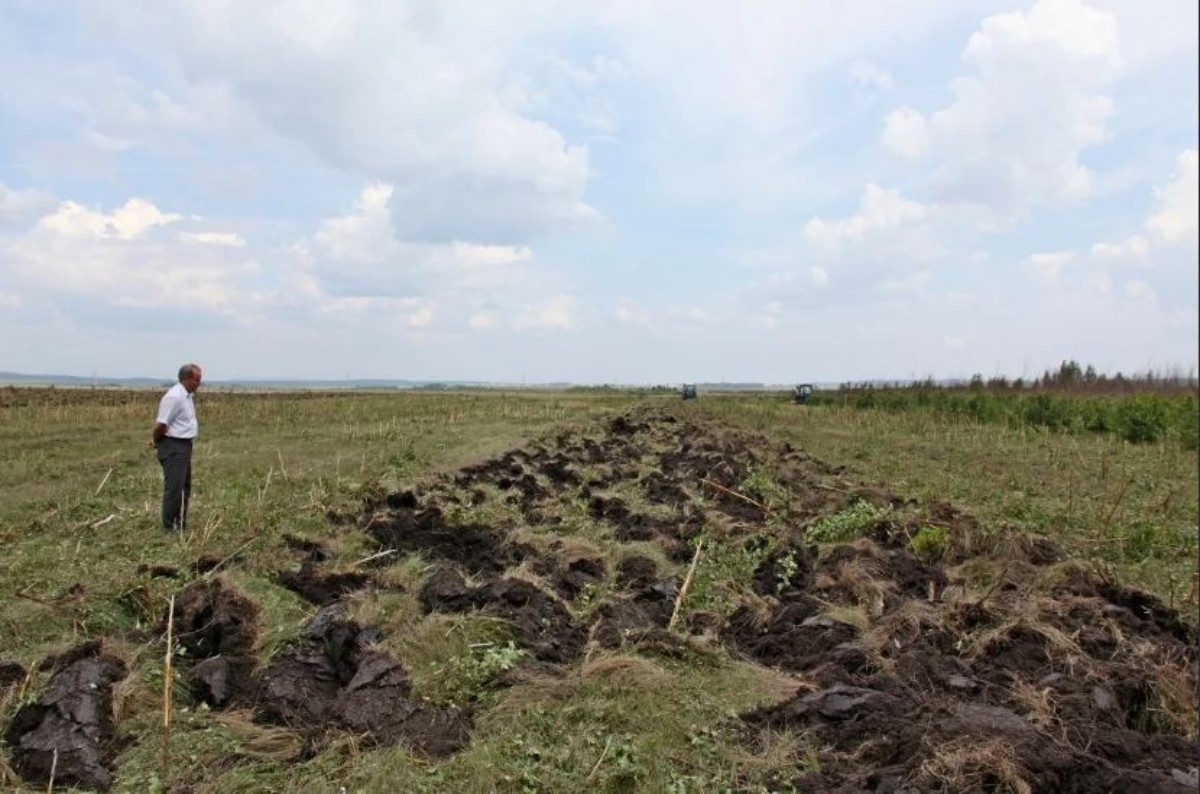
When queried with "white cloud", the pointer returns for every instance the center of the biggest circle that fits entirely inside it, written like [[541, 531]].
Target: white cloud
[[820, 278], [1138, 290], [361, 253], [881, 210], [690, 314], [584, 89], [628, 312], [1134, 247], [1174, 218], [910, 283], [554, 313], [364, 236], [870, 75], [422, 317], [1171, 222], [116, 259], [906, 132], [1049, 265], [1101, 283], [17, 206], [1012, 138], [128, 222], [231, 239], [482, 321], [423, 100]]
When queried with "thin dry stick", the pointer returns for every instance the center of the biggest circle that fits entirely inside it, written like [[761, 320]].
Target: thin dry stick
[[746, 499], [212, 571], [266, 485], [599, 760], [166, 712], [376, 556], [1116, 503], [101, 485], [995, 586], [687, 582], [282, 470], [53, 769], [210, 527]]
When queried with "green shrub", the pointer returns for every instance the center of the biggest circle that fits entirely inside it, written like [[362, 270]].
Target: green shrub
[[1048, 411], [472, 675], [850, 523], [760, 486], [930, 543], [1187, 420], [1142, 419]]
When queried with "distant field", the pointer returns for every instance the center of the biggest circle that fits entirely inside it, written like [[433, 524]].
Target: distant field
[[602, 505]]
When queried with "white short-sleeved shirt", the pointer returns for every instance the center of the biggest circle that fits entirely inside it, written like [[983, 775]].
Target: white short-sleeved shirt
[[177, 411]]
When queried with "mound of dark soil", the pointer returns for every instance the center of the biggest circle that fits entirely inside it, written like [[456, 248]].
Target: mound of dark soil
[[67, 734], [1033, 690], [333, 677], [541, 623], [321, 588]]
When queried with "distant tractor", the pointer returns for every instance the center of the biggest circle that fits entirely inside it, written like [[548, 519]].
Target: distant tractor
[[801, 393], [688, 392]]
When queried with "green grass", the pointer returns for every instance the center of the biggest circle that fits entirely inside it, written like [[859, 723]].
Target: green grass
[[79, 500], [1129, 507]]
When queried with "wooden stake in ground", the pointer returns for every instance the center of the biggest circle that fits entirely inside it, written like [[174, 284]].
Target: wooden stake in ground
[[735, 494], [167, 676], [687, 583]]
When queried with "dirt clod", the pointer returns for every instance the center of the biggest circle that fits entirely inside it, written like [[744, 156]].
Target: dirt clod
[[69, 728]]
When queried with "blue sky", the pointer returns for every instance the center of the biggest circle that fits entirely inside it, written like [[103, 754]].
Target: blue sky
[[620, 192]]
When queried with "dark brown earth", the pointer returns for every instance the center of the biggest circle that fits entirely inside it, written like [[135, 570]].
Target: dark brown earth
[[67, 734], [1051, 679]]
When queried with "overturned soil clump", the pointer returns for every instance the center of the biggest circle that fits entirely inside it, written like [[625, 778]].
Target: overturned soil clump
[[67, 734], [333, 677]]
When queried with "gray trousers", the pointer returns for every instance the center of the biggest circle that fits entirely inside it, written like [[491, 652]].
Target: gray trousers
[[175, 455]]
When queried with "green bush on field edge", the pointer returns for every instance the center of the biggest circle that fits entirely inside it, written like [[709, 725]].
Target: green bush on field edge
[[1137, 418]]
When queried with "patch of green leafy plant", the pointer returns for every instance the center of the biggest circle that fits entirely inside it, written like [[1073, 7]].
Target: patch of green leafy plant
[[726, 568], [1142, 419], [847, 524], [590, 596], [471, 676], [787, 569], [930, 543], [763, 488]]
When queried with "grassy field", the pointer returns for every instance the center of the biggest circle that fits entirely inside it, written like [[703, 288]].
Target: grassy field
[[1131, 507], [79, 500]]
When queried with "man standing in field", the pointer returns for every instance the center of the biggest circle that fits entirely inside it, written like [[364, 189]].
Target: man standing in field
[[174, 433]]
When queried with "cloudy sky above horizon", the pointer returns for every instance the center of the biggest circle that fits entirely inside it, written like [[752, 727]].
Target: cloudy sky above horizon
[[621, 192]]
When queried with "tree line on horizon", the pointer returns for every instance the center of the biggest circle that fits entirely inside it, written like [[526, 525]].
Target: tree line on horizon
[[1069, 377]]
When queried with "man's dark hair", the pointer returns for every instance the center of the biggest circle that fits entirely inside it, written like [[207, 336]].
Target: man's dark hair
[[187, 371]]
